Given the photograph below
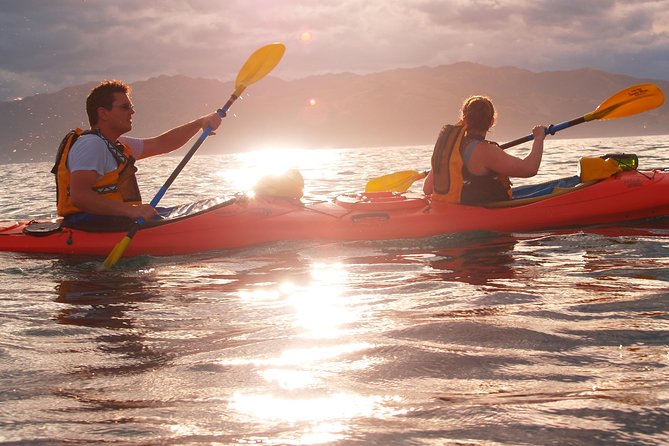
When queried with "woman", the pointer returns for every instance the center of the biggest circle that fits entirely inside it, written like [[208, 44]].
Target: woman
[[468, 169]]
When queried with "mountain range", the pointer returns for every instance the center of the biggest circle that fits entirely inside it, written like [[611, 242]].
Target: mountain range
[[391, 108]]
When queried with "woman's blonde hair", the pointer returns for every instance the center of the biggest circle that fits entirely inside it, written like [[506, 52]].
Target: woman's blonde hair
[[478, 113]]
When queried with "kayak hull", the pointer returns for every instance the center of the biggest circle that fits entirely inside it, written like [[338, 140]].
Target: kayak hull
[[246, 221]]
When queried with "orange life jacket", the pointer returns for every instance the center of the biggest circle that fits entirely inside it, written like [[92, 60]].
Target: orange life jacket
[[119, 184], [447, 164], [453, 182]]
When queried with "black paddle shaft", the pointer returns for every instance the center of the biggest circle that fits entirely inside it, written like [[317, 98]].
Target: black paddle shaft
[[549, 131]]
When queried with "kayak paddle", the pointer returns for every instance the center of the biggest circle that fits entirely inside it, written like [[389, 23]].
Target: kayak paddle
[[395, 182], [630, 101], [258, 65]]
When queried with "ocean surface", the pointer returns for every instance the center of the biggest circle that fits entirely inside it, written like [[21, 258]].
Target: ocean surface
[[550, 338]]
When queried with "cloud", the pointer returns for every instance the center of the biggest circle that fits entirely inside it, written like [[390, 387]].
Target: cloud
[[548, 35], [66, 41], [48, 45]]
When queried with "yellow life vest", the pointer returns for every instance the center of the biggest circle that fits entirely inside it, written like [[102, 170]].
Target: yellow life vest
[[119, 184], [453, 182]]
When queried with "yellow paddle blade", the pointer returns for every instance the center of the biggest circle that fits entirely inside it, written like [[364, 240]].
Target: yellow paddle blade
[[394, 182], [630, 101], [116, 253], [261, 62]]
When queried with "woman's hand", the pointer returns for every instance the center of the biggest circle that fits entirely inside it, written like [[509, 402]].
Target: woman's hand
[[539, 133]]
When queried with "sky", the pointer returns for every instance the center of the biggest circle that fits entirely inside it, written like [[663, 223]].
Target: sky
[[46, 45]]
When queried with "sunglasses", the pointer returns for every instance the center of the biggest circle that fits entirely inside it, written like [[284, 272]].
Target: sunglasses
[[126, 107]]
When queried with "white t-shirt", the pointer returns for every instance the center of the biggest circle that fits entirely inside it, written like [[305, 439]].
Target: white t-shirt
[[90, 152]]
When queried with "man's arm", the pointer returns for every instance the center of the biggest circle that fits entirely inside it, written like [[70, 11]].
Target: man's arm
[[85, 198], [178, 136]]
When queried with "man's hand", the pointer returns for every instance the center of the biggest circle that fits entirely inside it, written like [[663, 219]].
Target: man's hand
[[212, 120], [144, 211]]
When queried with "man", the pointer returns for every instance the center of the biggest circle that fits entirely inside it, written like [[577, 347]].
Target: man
[[95, 174]]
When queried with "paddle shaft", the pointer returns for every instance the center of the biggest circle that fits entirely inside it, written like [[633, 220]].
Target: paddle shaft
[[550, 130], [206, 132], [163, 189]]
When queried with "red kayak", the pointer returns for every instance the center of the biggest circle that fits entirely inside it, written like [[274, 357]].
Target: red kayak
[[244, 220]]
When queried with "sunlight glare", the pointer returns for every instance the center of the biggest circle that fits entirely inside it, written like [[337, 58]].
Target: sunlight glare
[[275, 161], [290, 379], [260, 295], [328, 417], [302, 378], [320, 308], [305, 36], [302, 356], [340, 406]]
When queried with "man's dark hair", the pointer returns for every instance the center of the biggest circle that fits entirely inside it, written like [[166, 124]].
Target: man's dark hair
[[103, 96]]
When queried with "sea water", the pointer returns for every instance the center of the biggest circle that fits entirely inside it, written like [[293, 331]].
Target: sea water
[[542, 338]]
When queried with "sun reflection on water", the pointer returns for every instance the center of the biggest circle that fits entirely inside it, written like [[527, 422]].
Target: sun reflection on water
[[321, 309], [326, 416], [339, 406], [301, 383], [302, 357]]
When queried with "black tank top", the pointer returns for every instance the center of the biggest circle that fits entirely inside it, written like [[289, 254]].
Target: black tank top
[[480, 189]]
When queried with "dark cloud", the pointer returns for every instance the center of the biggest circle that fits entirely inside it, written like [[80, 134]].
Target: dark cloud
[[54, 44], [46, 45]]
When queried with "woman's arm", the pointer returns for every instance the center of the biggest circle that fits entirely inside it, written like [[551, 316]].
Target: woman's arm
[[489, 157], [428, 184]]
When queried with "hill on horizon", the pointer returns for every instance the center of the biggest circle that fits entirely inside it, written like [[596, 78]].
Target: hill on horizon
[[391, 108]]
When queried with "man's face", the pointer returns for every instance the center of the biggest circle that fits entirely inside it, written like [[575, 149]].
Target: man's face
[[120, 115]]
